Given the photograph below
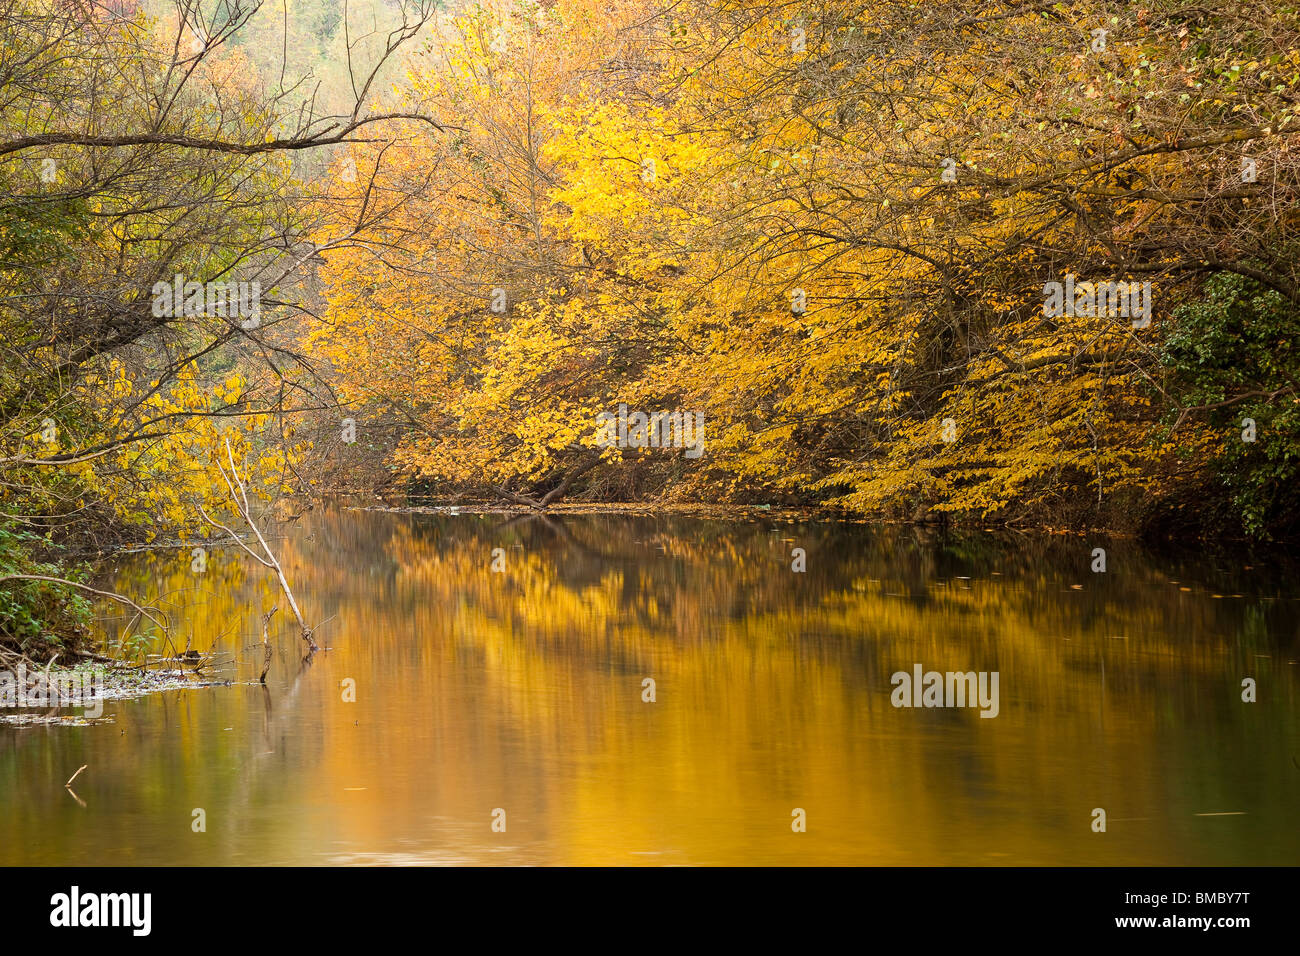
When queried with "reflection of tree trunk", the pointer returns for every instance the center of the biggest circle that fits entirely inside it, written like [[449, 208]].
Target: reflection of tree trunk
[[248, 772], [603, 554]]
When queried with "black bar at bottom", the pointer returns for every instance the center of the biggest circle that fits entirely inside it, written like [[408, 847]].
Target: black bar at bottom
[[643, 907]]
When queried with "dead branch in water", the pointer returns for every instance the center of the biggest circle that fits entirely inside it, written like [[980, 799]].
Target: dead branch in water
[[266, 643], [239, 495]]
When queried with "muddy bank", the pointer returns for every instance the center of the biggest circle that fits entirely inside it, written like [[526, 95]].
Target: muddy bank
[[74, 696]]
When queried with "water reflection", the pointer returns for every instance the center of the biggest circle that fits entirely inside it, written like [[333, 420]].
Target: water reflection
[[523, 690]]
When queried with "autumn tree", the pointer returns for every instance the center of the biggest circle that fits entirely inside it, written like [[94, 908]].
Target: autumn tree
[[135, 158], [832, 229]]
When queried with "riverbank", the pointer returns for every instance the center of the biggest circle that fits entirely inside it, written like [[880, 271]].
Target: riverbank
[[74, 696]]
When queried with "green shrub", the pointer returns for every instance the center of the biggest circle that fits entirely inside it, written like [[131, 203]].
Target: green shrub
[[1235, 356]]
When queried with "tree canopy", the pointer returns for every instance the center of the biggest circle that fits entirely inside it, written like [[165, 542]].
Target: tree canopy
[[1025, 263]]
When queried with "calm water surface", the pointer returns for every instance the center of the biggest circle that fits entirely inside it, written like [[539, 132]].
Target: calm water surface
[[522, 691]]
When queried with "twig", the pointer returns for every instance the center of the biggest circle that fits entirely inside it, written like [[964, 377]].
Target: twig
[[266, 643], [239, 495]]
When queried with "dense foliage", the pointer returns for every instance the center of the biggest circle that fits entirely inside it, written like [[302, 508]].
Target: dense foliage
[[828, 233], [136, 154], [829, 229]]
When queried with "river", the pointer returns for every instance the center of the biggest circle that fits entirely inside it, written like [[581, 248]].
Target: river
[[461, 715]]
